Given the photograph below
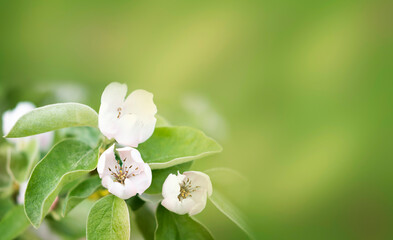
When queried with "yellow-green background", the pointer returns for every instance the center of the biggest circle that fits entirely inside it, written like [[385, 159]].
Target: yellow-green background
[[299, 93]]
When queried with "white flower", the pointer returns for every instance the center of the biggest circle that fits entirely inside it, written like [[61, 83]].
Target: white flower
[[126, 180], [129, 121], [187, 192], [10, 117]]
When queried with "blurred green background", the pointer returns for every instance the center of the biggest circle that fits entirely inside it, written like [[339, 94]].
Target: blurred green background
[[299, 93]]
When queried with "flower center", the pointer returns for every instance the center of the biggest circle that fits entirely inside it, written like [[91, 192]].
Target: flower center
[[186, 189], [121, 173]]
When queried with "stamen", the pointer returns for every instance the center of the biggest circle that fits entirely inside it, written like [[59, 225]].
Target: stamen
[[121, 173], [186, 189], [119, 110]]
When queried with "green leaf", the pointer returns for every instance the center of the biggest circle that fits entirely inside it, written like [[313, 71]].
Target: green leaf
[[53, 117], [88, 135], [174, 226], [109, 219], [169, 146], [160, 175], [67, 161], [14, 223], [227, 185], [82, 191], [135, 202], [144, 220], [231, 211]]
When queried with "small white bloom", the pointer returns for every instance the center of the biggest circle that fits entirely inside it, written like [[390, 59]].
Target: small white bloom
[[129, 121], [187, 192], [10, 117], [126, 180]]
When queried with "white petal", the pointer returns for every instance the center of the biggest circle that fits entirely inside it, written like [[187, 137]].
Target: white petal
[[180, 207], [107, 160], [200, 198], [143, 180], [200, 179], [173, 205], [186, 205], [136, 156], [180, 177], [134, 129], [125, 155], [114, 94], [122, 191], [112, 98], [116, 189], [140, 102], [107, 181], [171, 187]]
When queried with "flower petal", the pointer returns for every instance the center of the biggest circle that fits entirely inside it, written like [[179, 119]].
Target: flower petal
[[125, 155], [200, 198], [200, 179], [173, 205], [107, 181], [180, 207], [140, 102], [143, 180], [122, 191], [107, 160], [136, 156], [134, 129], [112, 98], [171, 187]]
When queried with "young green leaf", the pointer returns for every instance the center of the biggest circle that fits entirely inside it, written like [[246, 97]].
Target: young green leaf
[[67, 161], [53, 117], [13, 223], [169, 146], [109, 219], [80, 192], [174, 226], [160, 175], [229, 181]]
